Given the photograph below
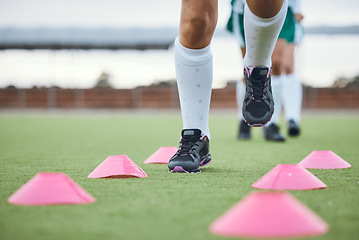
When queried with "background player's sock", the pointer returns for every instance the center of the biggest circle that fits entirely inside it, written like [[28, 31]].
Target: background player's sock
[[194, 71], [240, 92], [261, 35], [277, 86], [292, 97]]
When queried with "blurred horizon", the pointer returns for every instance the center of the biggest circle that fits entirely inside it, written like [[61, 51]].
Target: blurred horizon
[[322, 57], [320, 61]]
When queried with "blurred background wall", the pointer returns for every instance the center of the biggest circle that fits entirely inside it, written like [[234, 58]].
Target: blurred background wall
[[118, 54]]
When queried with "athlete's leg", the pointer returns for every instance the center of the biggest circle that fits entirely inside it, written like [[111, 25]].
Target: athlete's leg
[[277, 79], [240, 90], [194, 64], [292, 92], [288, 59], [262, 24], [263, 20], [243, 128], [194, 70], [271, 131], [198, 22], [235, 24]]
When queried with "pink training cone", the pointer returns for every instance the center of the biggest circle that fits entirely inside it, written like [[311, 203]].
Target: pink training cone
[[289, 177], [118, 166], [50, 189], [162, 155], [323, 160], [269, 215]]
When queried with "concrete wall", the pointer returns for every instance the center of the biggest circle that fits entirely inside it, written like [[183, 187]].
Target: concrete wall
[[165, 97]]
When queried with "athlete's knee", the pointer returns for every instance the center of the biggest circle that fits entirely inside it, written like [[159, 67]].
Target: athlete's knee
[[276, 65], [198, 23], [197, 26], [288, 69]]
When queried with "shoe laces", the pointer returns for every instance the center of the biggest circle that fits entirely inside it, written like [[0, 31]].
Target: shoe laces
[[186, 145], [258, 88]]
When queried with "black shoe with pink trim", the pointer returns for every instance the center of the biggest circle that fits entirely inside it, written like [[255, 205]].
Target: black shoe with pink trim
[[192, 153], [258, 104]]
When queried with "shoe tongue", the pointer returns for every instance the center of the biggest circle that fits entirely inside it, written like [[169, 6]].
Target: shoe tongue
[[188, 133], [259, 72]]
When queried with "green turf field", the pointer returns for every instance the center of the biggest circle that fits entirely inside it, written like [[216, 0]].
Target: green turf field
[[164, 205]]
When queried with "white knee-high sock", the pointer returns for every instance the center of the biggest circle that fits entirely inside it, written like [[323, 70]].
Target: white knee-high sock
[[194, 71], [292, 97], [277, 86], [261, 36], [240, 93]]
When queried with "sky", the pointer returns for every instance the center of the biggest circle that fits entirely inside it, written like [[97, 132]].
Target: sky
[[146, 13]]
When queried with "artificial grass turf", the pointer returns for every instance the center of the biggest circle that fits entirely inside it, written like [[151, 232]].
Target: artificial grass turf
[[164, 205]]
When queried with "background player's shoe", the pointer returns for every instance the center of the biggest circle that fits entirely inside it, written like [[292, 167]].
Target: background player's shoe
[[272, 133], [244, 130], [258, 104], [293, 128], [192, 153]]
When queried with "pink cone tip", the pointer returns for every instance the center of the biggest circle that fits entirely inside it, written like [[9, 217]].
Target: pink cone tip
[[289, 177], [161, 156], [118, 166], [50, 189], [323, 160], [269, 215]]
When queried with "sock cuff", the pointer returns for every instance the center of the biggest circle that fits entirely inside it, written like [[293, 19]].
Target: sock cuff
[[189, 56], [292, 77], [265, 22], [241, 84], [277, 79]]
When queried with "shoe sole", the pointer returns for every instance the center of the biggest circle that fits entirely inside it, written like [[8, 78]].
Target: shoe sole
[[258, 122], [179, 169], [254, 124]]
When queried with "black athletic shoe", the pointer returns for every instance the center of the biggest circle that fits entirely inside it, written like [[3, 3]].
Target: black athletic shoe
[[293, 128], [258, 105], [272, 133], [244, 130], [192, 153]]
